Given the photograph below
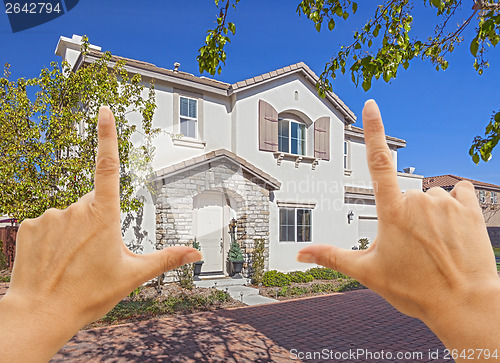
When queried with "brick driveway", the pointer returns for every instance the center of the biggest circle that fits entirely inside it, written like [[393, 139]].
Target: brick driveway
[[337, 324]]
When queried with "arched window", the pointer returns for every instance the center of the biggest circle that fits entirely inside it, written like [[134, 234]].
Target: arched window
[[291, 136]]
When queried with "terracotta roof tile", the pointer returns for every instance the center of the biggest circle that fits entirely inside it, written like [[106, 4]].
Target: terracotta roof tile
[[154, 68], [449, 181]]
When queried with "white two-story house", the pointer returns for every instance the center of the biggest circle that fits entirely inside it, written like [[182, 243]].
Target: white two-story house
[[289, 166]]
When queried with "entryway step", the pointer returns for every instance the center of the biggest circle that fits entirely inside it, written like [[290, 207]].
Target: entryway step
[[237, 290], [221, 282]]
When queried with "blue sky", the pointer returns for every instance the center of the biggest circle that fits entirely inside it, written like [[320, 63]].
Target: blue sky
[[437, 113]]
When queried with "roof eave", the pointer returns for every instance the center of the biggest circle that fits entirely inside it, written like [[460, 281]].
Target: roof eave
[[349, 116], [155, 75]]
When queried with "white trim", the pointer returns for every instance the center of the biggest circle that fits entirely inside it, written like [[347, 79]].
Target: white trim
[[188, 142], [300, 205]]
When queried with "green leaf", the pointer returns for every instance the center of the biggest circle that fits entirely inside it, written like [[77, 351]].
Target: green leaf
[[354, 8], [497, 117], [475, 158], [376, 31], [345, 15], [474, 46], [331, 24], [318, 26], [366, 85]]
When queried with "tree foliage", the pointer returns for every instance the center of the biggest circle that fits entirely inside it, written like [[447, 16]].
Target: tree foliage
[[384, 44], [48, 125]]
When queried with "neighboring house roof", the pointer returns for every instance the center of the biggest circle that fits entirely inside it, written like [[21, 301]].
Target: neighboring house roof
[[226, 88], [271, 183], [449, 181], [359, 132]]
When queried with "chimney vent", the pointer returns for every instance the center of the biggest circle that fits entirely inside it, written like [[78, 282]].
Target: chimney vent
[[176, 66], [409, 170]]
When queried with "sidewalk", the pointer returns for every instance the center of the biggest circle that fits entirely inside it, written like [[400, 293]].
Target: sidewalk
[[275, 332]]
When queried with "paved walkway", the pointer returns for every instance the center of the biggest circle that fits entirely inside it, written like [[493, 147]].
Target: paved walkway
[[237, 289], [332, 324], [276, 332]]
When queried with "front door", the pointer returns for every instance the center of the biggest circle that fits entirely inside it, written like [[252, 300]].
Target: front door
[[208, 229]]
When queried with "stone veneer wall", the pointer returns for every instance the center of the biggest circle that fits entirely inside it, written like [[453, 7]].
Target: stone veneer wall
[[174, 206]]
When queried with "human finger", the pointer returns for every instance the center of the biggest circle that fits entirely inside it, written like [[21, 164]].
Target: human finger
[[107, 173], [465, 193], [348, 262], [380, 162], [151, 265]]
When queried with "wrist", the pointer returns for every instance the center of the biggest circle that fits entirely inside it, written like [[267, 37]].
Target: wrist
[[457, 318], [26, 323]]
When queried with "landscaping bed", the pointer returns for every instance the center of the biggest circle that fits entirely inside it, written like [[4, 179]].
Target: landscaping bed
[[319, 287], [146, 302], [313, 282]]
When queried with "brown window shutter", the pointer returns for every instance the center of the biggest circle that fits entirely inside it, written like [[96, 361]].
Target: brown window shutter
[[268, 127], [322, 138]]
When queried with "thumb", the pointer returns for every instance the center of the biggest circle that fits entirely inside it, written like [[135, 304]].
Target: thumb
[[348, 262], [153, 264]]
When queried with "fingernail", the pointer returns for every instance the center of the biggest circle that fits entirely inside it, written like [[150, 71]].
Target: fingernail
[[191, 257], [306, 257], [370, 100], [104, 115]]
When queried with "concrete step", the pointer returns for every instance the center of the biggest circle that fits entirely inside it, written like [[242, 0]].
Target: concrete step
[[237, 290], [223, 282]]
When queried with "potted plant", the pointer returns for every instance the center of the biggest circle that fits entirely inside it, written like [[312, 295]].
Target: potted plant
[[236, 257], [197, 265]]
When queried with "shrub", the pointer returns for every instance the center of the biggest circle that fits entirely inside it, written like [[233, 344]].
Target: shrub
[[299, 276], [235, 252], [258, 260], [323, 273], [185, 274], [5, 279], [363, 243], [275, 278]]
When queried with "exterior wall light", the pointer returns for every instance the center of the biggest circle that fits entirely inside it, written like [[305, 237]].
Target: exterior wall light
[[350, 216]]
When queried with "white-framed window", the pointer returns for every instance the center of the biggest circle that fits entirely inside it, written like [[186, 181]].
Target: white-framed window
[[188, 116], [291, 137], [295, 225], [346, 164], [493, 197], [482, 196]]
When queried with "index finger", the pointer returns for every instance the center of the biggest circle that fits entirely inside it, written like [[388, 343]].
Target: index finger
[[107, 172], [380, 162]]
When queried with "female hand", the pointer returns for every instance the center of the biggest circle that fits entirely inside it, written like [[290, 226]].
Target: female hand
[[432, 257], [72, 266]]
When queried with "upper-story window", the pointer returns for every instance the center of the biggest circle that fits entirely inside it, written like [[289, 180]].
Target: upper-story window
[[291, 137], [493, 197], [482, 196], [345, 155], [188, 116]]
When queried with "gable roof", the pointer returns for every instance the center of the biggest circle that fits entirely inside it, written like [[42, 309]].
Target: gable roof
[[219, 87], [310, 76], [449, 181], [270, 182]]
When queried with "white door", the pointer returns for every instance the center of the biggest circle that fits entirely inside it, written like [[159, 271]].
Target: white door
[[367, 228], [208, 229]]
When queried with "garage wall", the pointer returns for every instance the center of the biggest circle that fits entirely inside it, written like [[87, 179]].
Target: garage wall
[[367, 228]]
